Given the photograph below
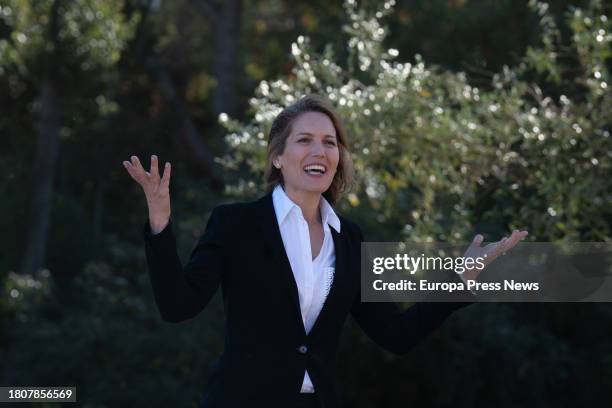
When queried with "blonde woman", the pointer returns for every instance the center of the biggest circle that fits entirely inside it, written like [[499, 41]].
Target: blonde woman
[[289, 269]]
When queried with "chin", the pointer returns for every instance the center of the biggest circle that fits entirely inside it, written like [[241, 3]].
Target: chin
[[318, 188], [315, 189], [312, 186]]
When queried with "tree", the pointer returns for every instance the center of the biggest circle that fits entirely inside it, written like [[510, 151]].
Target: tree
[[435, 155], [61, 48]]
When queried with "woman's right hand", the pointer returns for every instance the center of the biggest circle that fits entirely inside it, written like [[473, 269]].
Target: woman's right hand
[[156, 190]]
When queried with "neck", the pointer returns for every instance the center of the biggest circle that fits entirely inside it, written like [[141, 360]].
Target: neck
[[308, 203]]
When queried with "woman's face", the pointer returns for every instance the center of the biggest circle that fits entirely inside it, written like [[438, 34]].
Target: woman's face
[[311, 154]]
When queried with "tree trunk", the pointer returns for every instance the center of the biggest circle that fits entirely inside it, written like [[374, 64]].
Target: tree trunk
[[47, 149], [44, 171], [227, 44]]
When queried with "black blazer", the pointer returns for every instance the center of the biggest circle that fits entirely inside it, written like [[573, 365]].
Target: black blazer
[[266, 346]]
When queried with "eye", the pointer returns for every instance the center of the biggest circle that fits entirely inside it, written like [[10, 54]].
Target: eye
[[303, 139], [331, 142]]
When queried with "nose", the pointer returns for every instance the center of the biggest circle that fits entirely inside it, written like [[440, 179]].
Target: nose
[[318, 150]]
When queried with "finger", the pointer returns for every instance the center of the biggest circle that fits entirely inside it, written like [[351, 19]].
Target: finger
[[165, 181], [154, 167], [477, 241], [135, 161], [503, 244], [138, 167], [131, 171], [498, 248], [516, 237]]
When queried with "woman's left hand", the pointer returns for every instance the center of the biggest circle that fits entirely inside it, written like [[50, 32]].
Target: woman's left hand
[[489, 252]]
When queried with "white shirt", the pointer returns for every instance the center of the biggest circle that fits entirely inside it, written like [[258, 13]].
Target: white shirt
[[312, 276]]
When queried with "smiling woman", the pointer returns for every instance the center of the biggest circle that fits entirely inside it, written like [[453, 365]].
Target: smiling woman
[[297, 278], [309, 132], [309, 158]]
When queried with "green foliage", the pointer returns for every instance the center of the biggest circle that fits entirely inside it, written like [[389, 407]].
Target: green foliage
[[435, 155], [103, 334], [89, 39], [438, 154]]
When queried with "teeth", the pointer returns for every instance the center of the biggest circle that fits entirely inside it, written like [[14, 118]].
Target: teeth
[[312, 168]]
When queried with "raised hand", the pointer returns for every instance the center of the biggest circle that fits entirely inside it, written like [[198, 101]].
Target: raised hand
[[156, 189], [490, 251]]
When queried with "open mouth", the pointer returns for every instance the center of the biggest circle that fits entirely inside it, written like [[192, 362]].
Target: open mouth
[[315, 169]]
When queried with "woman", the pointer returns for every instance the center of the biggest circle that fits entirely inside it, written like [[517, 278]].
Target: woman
[[288, 267]]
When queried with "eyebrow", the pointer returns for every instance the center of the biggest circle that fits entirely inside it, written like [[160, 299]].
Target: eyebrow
[[310, 134]]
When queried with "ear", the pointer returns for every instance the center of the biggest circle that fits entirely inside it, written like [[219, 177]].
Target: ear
[[276, 162]]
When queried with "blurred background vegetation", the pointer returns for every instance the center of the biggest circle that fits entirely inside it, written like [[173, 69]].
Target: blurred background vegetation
[[463, 116]]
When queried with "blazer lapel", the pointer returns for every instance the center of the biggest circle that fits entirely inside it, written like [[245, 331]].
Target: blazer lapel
[[273, 245]]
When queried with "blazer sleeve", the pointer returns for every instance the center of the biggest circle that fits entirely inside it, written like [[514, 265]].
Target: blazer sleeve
[[399, 331], [181, 293]]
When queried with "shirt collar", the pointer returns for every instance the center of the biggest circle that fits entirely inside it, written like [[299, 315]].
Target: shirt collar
[[283, 205]]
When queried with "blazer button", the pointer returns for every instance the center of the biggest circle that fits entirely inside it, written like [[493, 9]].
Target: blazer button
[[303, 349]]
